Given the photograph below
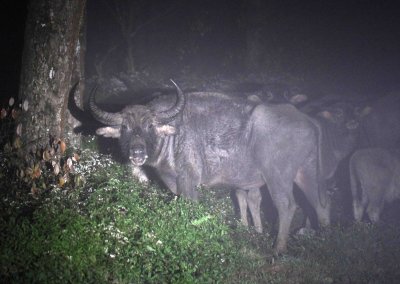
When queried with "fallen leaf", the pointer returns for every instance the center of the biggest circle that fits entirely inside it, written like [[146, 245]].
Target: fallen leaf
[[76, 157], [3, 113], [56, 169], [36, 171], [61, 182], [63, 146], [19, 129], [25, 105], [34, 191], [14, 113], [17, 143]]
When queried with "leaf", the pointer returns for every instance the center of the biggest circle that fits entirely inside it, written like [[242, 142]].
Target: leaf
[[19, 129], [63, 146], [36, 171], [79, 180], [69, 163], [76, 157], [7, 148], [25, 105], [17, 143], [3, 113], [149, 248], [201, 220], [56, 168], [34, 191], [48, 154], [14, 113], [61, 182]]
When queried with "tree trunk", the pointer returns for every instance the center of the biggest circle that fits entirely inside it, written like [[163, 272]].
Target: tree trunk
[[52, 58], [78, 75]]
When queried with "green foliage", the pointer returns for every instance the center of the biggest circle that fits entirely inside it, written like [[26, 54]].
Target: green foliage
[[99, 226], [53, 247], [111, 229], [153, 237]]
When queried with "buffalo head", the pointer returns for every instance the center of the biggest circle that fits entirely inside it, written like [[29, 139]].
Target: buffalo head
[[138, 127]]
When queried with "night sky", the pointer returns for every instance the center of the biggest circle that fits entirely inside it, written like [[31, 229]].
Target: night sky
[[356, 42]]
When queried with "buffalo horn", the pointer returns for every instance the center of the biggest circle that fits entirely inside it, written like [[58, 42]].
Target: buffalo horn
[[169, 115], [107, 118]]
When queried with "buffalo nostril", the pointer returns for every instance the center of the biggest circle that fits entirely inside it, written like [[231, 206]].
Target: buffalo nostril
[[137, 150]]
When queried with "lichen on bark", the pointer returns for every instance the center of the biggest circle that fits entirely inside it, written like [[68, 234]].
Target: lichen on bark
[[52, 33]]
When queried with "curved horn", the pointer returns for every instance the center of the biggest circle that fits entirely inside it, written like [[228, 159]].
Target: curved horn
[[168, 115], [74, 109], [107, 118]]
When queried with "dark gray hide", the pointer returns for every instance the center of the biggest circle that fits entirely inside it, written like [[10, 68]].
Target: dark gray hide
[[212, 139], [274, 92], [339, 124], [382, 127], [338, 129], [375, 180]]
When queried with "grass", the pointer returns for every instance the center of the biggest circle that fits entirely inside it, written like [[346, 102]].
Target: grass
[[89, 222], [112, 229]]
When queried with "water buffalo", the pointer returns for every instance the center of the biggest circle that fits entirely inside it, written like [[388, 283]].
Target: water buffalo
[[272, 92], [375, 180], [338, 126], [212, 139], [382, 127]]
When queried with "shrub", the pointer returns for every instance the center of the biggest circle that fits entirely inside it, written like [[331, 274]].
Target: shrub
[[156, 238], [52, 248], [111, 229]]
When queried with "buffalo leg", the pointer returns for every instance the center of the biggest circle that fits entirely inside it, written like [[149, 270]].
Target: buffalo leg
[[356, 192], [254, 203], [169, 179], [241, 196], [286, 207], [281, 191], [138, 173], [250, 199], [187, 181], [375, 204], [374, 213], [307, 182], [358, 210]]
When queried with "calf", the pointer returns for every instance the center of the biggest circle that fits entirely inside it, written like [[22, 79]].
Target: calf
[[375, 180]]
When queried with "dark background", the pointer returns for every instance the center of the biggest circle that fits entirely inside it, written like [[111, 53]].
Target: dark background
[[351, 45], [12, 24]]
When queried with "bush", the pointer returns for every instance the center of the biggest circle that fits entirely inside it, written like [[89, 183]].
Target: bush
[[111, 229], [52, 248], [78, 217], [156, 238]]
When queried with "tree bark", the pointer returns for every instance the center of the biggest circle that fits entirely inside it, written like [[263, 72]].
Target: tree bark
[[52, 58]]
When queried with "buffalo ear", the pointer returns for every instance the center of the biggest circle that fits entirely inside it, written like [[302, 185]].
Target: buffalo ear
[[109, 132], [254, 98], [299, 98], [326, 114], [165, 129]]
